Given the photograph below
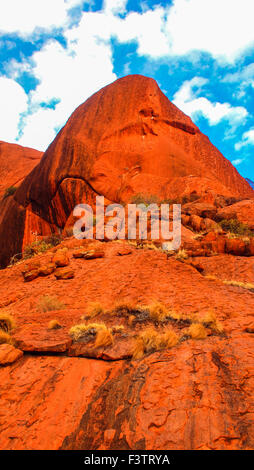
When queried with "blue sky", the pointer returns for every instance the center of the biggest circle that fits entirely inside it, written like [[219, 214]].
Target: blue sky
[[55, 53]]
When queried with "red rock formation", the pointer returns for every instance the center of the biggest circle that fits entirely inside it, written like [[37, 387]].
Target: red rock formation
[[243, 211], [15, 164], [126, 139]]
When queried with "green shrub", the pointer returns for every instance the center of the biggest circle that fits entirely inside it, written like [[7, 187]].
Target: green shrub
[[36, 247], [53, 240], [236, 227], [9, 191], [146, 199]]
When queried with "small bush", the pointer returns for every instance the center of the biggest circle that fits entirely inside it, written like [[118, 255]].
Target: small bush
[[235, 227], [36, 248], [146, 199], [7, 322], [9, 191], [5, 338], [53, 240], [47, 303], [54, 325]]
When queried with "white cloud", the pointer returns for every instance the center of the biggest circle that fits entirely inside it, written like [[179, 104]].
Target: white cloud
[[185, 99], [13, 102], [238, 161], [69, 75], [247, 139], [115, 6], [222, 28], [26, 15]]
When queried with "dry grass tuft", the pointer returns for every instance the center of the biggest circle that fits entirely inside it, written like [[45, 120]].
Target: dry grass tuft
[[94, 309], [48, 303], [123, 307], [157, 311], [79, 331], [181, 255], [54, 325], [212, 322], [196, 331], [151, 340], [5, 338], [244, 285], [103, 338], [7, 322], [103, 334]]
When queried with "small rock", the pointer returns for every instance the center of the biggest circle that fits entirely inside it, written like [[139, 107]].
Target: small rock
[[30, 275], [47, 269], [64, 273], [9, 354], [61, 258], [93, 254], [235, 246]]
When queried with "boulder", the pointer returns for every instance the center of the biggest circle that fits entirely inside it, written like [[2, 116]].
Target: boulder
[[64, 273], [235, 246], [201, 209], [9, 354], [61, 258]]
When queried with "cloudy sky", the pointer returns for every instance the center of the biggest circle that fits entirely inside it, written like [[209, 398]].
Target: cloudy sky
[[55, 53]]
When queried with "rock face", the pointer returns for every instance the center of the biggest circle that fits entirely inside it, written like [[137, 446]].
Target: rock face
[[64, 394], [15, 164], [126, 139], [243, 211]]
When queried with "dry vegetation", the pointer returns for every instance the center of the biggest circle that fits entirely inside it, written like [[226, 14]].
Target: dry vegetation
[[181, 255], [244, 285], [151, 340], [7, 324], [99, 331], [48, 303]]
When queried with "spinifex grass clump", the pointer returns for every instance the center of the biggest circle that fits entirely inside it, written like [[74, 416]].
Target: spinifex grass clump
[[94, 309], [150, 340], [86, 332], [48, 303], [7, 324]]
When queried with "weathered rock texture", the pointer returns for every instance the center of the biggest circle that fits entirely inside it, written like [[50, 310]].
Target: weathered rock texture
[[126, 139], [70, 395]]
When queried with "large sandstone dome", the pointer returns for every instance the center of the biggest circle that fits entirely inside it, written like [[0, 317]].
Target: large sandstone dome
[[126, 139]]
